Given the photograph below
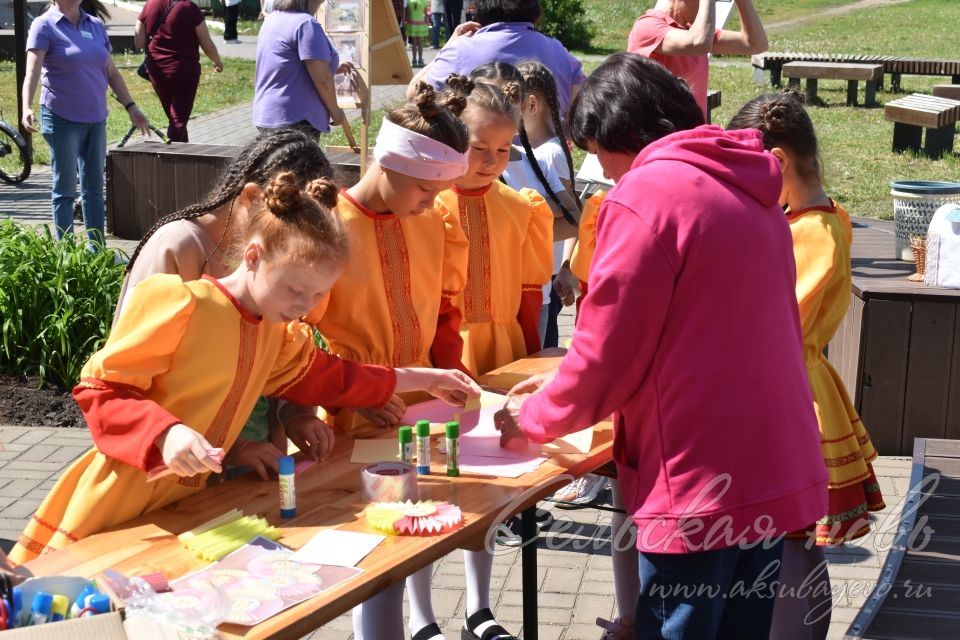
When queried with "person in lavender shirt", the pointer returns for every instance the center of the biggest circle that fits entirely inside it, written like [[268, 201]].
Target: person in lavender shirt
[[68, 53], [296, 62], [503, 33]]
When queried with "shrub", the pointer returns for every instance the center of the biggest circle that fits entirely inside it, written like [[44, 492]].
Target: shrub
[[566, 20], [56, 302]]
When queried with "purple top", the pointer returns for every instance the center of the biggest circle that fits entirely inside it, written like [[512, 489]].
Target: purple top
[[512, 42], [284, 94], [73, 79]]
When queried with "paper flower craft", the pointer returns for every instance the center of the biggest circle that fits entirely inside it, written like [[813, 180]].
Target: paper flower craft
[[216, 578], [423, 518], [272, 563], [292, 585], [190, 601]]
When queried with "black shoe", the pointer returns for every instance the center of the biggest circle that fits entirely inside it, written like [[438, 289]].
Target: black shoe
[[432, 630], [493, 632]]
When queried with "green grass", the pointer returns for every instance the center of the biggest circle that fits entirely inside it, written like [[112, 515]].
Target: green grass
[[244, 28], [613, 19], [216, 91]]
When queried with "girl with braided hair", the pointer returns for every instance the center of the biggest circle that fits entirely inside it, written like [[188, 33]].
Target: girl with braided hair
[[162, 392], [202, 239], [821, 246], [510, 234]]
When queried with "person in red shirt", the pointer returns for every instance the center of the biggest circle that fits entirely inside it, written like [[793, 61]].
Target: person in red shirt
[[173, 62], [680, 35]]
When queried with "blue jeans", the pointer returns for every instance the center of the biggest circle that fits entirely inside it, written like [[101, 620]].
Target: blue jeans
[[436, 20], [76, 146], [723, 594]]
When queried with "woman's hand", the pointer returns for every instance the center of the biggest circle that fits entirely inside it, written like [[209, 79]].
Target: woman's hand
[[139, 120], [532, 384], [218, 66], [465, 29], [347, 67], [184, 451], [564, 287], [507, 422], [262, 457], [337, 116], [29, 121], [387, 416], [311, 435], [450, 385]]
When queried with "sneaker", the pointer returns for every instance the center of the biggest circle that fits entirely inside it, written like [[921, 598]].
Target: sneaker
[[504, 536], [236, 41], [581, 491]]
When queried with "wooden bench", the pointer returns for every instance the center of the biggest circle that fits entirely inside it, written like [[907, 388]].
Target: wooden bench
[[713, 101], [951, 91], [917, 594], [853, 73], [896, 66], [918, 111]]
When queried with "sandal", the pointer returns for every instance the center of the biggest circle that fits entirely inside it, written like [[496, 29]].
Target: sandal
[[617, 629], [429, 632], [492, 632]]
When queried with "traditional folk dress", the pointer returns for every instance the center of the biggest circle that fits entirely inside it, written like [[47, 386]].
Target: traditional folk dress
[[821, 246], [181, 353], [393, 303], [511, 258], [586, 241]]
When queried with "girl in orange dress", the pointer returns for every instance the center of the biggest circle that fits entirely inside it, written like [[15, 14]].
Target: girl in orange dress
[[821, 245], [186, 362]]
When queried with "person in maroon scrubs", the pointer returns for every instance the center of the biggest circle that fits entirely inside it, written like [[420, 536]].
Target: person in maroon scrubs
[[173, 61]]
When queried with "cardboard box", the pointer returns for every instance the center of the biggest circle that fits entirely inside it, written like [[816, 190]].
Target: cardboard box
[[106, 626]]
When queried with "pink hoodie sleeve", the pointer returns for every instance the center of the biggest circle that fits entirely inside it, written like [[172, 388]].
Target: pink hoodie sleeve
[[619, 326]]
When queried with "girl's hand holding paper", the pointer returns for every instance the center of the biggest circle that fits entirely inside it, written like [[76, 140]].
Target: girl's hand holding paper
[[185, 451], [450, 385], [388, 416]]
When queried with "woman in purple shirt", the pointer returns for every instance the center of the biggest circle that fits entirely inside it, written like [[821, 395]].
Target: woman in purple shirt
[[503, 33], [293, 82], [69, 53]]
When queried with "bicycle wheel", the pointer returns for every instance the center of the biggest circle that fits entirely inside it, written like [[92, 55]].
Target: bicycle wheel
[[14, 155]]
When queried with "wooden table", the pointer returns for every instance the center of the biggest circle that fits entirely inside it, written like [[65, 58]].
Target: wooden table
[[870, 74], [328, 496]]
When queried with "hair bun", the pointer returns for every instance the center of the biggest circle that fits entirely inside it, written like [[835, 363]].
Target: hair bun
[[324, 190], [425, 100], [775, 116], [282, 196], [513, 91]]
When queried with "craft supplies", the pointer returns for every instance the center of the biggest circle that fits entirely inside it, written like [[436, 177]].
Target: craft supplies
[[288, 489], [40, 609], [423, 447], [425, 518], [405, 439], [388, 482], [338, 548], [230, 536], [452, 433], [229, 516], [59, 608], [81, 602]]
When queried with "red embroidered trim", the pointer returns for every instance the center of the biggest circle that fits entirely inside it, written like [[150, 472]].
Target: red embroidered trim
[[46, 524], [395, 266], [31, 545], [477, 300]]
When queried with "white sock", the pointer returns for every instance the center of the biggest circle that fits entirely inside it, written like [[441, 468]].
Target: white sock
[[623, 555], [421, 603], [479, 567], [380, 617]]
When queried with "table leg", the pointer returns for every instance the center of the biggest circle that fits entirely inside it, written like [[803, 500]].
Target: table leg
[[851, 93], [870, 94], [775, 76], [894, 83], [811, 91], [906, 136], [939, 141], [528, 533]]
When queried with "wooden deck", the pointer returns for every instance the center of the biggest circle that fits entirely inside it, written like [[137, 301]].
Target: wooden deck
[[918, 592], [898, 348]]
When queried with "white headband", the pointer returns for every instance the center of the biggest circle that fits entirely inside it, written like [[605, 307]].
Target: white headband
[[416, 155]]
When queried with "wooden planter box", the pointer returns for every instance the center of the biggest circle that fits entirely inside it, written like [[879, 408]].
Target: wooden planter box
[[898, 347], [148, 180]]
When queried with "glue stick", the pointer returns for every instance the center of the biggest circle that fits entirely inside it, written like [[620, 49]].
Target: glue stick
[[40, 611], [452, 430], [288, 491], [423, 447], [58, 610], [405, 437]]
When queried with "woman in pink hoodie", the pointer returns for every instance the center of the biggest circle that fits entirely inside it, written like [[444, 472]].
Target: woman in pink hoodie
[[690, 336]]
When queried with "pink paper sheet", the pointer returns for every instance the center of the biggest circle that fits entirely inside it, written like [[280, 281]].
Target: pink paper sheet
[[498, 467], [432, 410]]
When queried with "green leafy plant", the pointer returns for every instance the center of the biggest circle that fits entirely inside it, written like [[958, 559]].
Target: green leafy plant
[[56, 302], [567, 21]]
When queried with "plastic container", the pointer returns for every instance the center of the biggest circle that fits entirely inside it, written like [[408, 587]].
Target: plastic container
[[914, 203]]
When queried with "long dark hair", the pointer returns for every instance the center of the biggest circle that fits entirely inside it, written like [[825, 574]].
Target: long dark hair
[[501, 73], [94, 7], [490, 11], [267, 156]]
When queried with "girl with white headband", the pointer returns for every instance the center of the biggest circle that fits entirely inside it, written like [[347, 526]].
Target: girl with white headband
[[408, 261]]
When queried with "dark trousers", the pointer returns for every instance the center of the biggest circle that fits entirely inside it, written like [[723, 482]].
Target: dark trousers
[[231, 15], [436, 22], [176, 89], [452, 10], [552, 336], [726, 594]]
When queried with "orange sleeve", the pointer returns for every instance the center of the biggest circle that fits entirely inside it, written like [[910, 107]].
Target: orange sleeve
[[446, 352], [815, 251], [586, 238], [124, 425], [536, 267]]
